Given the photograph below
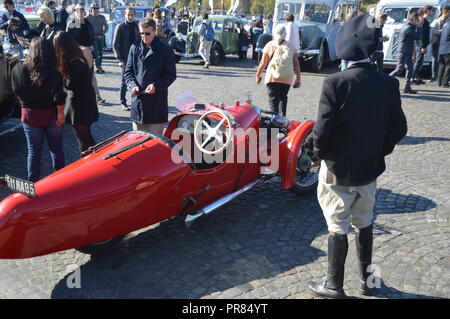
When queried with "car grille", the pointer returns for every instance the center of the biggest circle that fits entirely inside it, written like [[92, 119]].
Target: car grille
[[395, 44]]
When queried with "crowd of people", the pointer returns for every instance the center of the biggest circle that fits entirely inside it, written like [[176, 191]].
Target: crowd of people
[[56, 82]]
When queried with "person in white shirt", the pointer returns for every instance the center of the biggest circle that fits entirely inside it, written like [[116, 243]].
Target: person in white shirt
[[292, 33]]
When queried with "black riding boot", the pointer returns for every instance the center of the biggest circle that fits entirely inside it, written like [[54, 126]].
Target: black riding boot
[[364, 243], [333, 283]]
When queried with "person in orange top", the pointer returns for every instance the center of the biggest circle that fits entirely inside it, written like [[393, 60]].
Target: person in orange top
[[278, 86]]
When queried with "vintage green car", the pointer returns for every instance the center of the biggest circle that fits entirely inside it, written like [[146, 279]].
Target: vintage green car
[[226, 39]]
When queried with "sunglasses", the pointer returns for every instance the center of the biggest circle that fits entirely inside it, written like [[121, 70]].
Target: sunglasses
[[146, 33]]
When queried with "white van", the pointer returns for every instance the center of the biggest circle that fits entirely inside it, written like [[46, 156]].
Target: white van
[[398, 11]]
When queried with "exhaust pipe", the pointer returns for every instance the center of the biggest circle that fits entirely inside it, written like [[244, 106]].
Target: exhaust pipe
[[193, 216]]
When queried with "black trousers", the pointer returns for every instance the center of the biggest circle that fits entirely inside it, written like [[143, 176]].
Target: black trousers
[[444, 69], [419, 62], [84, 137], [378, 58], [403, 60], [278, 96]]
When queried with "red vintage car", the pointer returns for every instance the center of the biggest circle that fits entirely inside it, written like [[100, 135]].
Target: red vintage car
[[209, 155]]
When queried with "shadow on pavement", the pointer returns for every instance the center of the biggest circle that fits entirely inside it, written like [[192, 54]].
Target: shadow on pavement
[[420, 96], [393, 293], [415, 140], [237, 249]]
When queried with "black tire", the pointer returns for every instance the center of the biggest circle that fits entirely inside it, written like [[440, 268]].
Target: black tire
[[318, 60], [216, 55], [177, 58], [101, 247], [306, 177]]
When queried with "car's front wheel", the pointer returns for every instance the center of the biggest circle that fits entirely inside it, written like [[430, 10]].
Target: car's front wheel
[[318, 60], [306, 177], [102, 246], [216, 55]]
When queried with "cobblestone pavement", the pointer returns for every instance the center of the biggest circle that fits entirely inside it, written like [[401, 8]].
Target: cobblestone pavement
[[269, 242]]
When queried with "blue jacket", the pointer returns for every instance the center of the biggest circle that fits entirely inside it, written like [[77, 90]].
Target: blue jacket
[[156, 68], [444, 46], [19, 31]]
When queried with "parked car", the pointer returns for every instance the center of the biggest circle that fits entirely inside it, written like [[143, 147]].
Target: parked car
[[141, 12], [208, 156], [318, 22], [9, 104], [226, 39]]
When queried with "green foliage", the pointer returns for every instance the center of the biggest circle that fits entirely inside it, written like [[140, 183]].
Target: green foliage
[[262, 7]]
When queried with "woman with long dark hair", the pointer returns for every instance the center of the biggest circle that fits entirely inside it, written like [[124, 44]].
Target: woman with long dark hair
[[39, 87], [81, 108]]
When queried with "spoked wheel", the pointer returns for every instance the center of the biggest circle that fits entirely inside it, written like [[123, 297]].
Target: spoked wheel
[[101, 246], [218, 136], [306, 177]]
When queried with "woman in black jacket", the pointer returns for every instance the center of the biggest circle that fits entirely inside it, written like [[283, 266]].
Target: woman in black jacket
[[39, 87], [81, 108]]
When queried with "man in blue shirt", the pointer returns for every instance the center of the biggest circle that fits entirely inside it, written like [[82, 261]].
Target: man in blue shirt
[[15, 24]]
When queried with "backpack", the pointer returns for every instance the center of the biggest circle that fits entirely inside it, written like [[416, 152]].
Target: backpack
[[209, 32], [281, 65]]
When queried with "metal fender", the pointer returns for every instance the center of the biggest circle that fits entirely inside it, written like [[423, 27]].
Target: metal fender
[[290, 147]]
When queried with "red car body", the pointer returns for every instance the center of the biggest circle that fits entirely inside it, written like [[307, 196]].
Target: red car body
[[103, 196]]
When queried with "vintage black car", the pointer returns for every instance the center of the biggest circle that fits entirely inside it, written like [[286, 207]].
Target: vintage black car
[[9, 104]]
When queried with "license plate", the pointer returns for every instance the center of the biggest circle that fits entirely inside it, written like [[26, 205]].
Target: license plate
[[20, 186]]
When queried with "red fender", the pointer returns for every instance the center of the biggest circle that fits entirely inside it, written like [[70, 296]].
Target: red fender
[[290, 147]]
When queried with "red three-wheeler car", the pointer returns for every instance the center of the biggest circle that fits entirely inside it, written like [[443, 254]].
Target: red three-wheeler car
[[208, 155]]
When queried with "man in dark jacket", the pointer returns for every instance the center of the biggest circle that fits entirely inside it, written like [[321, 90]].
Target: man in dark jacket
[[357, 126], [444, 57], [125, 35], [408, 35], [423, 42], [62, 15], [15, 24], [149, 72]]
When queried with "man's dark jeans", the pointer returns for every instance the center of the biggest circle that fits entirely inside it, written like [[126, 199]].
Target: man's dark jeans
[[419, 62], [123, 87], [278, 95], [98, 51], [444, 69], [435, 60], [378, 58], [401, 62]]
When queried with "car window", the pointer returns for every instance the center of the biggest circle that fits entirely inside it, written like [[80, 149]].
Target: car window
[[316, 12], [285, 8], [228, 25], [217, 25], [400, 15], [120, 14]]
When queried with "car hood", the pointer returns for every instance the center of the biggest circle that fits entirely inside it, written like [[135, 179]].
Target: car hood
[[306, 24]]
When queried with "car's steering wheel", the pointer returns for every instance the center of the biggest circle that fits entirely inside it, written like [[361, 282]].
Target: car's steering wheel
[[213, 133]]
